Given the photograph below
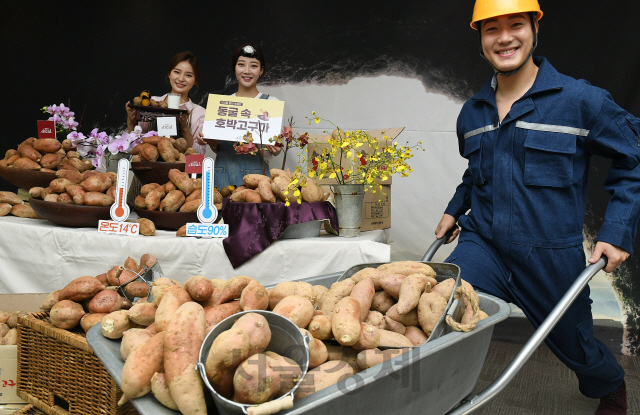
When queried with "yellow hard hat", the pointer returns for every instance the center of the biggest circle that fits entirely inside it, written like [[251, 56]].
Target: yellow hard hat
[[485, 9]]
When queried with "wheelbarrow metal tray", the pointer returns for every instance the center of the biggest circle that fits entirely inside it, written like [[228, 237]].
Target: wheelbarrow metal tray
[[429, 379]]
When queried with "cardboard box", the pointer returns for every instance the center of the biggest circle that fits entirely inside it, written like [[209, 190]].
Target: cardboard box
[[9, 354], [318, 142]]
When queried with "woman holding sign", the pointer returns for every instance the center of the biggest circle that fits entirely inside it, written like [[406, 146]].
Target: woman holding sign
[[182, 75], [231, 167]]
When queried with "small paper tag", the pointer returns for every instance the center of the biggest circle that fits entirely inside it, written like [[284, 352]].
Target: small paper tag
[[46, 129], [206, 230], [194, 164], [119, 228], [167, 126]]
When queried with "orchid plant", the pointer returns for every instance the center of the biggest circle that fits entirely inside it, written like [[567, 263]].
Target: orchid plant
[[288, 140], [63, 117], [99, 145]]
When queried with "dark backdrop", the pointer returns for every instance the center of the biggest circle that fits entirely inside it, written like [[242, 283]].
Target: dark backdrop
[[97, 55]]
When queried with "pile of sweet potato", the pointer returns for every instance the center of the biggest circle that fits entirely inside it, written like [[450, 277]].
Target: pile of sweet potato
[[258, 188], [90, 188], [86, 300], [156, 148], [11, 203], [8, 330], [180, 194], [45, 155]]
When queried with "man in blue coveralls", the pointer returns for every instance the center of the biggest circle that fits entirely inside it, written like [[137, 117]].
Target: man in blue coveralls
[[528, 136]]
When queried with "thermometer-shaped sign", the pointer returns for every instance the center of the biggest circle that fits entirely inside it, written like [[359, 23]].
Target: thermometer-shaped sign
[[120, 210], [207, 212]]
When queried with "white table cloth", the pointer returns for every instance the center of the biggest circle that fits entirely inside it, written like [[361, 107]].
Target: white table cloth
[[37, 256]]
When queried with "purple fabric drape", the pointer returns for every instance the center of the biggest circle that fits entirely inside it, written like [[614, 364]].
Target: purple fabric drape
[[255, 226]]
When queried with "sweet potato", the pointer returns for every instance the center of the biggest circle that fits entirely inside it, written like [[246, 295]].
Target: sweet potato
[[50, 301], [311, 192], [369, 338], [407, 268], [199, 287], [12, 321], [407, 319], [113, 275], [147, 260], [50, 161], [337, 292], [227, 352], [66, 314], [59, 185], [158, 291], [430, 308], [195, 195], [391, 283], [116, 323], [191, 206], [368, 272], [24, 211], [25, 163], [318, 353], [111, 192], [182, 340], [255, 380], [319, 291], [147, 227], [11, 338], [219, 312], [161, 392], [282, 189], [76, 192], [286, 288], [415, 335], [169, 186], [10, 153], [138, 289], [132, 339], [53, 198], [35, 192], [323, 376], [394, 326], [27, 151], [254, 297], [258, 330], [89, 320], [148, 152], [168, 306], [233, 288], [376, 319], [143, 314], [4, 316], [364, 292], [172, 201], [320, 327], [12, 160], [154, 198], [182, 181], [5, 209], [251, 181], [165, 149], [144, 190], [393, 339], [10, 198], [65, 198], [47, 145], [182, 231], [411, 289], [345, 321], [106, 301], [372, 357], [4, 329], [140, 366], [266, 194], [96, 183], [82, 288], [296, 308], [97, 199], [289, 372], [153, 140]]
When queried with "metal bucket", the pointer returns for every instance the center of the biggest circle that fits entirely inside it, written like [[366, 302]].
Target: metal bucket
[[286, 340], [309, 229], [349, 199]]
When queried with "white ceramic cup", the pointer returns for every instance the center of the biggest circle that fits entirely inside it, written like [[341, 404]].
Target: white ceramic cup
[[173, 100]]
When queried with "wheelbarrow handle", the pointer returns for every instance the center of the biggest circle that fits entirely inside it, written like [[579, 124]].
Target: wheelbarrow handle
[[437, 244], [474, 403]]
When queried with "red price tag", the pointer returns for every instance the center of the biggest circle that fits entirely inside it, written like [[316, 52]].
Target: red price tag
[[193, 165], [46, 129]]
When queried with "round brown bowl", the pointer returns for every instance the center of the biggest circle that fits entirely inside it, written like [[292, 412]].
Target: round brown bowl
[[26, 179], [170, 220], [74, 216], [154, 171]]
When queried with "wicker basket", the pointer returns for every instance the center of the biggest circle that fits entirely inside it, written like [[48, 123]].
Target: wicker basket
[[59, 374], [28, 410]]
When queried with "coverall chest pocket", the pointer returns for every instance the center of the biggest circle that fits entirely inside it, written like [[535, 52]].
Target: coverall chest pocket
[[549, 158], [473, 153]]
